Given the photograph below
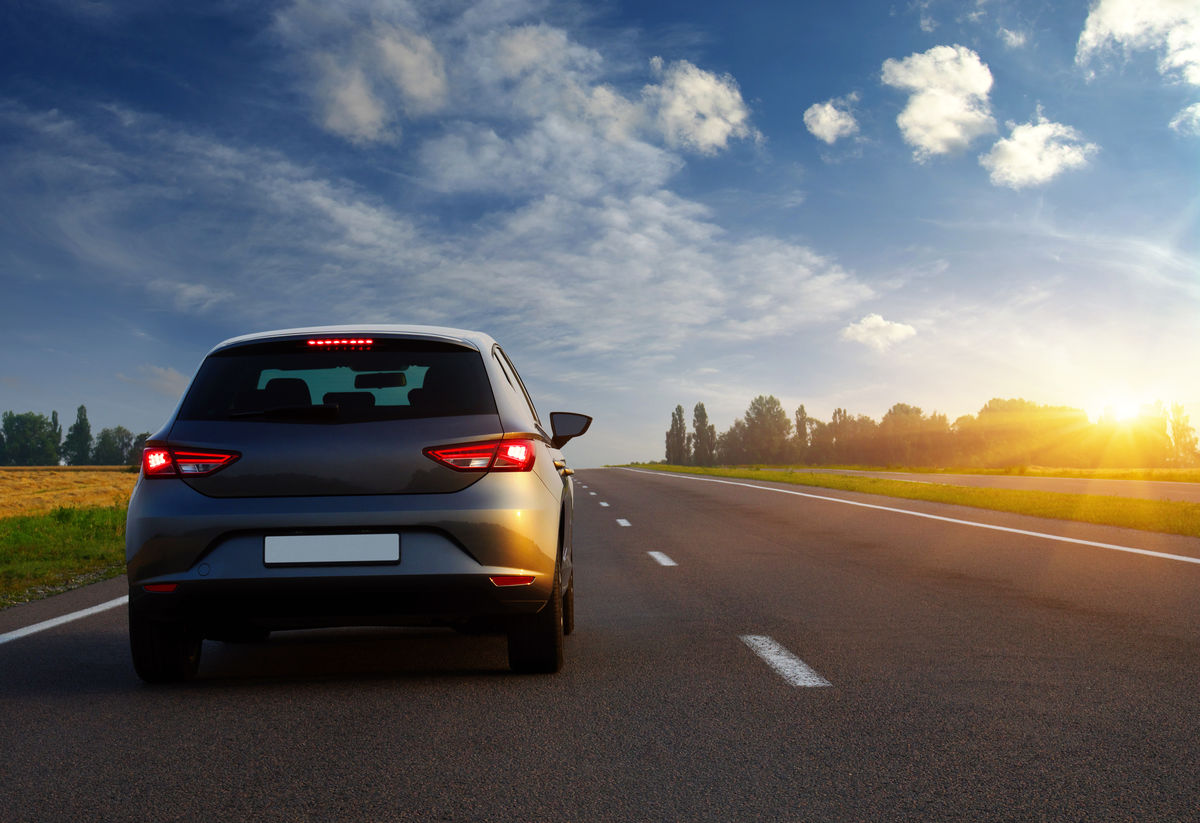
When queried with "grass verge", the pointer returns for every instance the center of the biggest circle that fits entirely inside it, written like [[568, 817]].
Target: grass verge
[[1168, 516], [45, 554], [1161, 475]]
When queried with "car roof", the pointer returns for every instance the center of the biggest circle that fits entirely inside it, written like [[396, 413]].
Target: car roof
[[474, 339]]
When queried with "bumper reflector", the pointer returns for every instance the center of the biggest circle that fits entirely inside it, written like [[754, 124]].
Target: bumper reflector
[[161, 588], [512, 579]]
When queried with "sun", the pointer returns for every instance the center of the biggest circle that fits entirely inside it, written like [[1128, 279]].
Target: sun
[[1121, 408]]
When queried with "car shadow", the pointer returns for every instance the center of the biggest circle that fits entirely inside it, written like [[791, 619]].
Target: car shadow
[[97, 662]]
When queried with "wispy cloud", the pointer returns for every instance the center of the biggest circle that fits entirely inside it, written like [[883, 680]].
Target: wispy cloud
[[162, 380], [1187, 121]]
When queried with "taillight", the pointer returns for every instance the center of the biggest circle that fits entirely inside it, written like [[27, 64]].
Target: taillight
[[495, 456], [160, 462]]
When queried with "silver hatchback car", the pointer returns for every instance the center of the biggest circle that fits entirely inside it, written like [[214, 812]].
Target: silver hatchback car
[[352, 476]]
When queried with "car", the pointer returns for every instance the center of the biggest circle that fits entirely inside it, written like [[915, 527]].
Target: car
[[352, 476]]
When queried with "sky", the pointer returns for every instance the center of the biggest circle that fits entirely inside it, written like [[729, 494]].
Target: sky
[[648, 204]]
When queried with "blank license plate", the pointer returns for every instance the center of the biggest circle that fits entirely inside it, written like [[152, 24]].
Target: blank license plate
[[332, 548]]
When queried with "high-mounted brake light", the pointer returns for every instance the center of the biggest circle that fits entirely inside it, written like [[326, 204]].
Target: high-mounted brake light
[[159, 462], [341, 343], [495, 455]]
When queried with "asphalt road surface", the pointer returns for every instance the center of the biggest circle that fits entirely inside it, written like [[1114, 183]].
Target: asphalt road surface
[[803, 659], [1149, 489]]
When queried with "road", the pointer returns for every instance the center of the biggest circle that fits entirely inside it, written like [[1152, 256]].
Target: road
[[972, 674], [1148, 489]]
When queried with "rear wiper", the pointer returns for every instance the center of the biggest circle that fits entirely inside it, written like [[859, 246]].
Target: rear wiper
[[323, 412]]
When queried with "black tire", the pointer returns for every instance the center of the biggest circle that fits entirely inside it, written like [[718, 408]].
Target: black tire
[[163, 652], [535, 641], [569, 607]]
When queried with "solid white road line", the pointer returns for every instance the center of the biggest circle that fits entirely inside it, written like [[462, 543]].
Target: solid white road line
[[1182, 558], [602, 503], [66, 618], [662, 559], [786, 665], [621, 521]]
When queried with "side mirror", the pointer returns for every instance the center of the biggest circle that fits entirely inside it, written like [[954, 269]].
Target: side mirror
[[566, 425]]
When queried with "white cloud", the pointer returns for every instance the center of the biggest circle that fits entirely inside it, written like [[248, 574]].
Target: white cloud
[[349, 106], [645, 272], [1169, 26], [695, 109], [363, 65], [557, 153], [414, 65], [1013, 39], [948, 107], [1035, 153], [832, 120], [1187, 121], [877, 333]]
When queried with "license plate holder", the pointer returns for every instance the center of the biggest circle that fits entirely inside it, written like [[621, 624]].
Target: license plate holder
[[331, 549]]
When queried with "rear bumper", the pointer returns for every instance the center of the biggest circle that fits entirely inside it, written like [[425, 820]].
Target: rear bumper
[[212, 549], [212, 606]]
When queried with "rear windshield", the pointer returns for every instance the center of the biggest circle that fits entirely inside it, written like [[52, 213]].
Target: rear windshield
[[290, 381]]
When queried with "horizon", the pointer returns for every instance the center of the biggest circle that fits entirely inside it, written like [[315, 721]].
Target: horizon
[[846, 207]]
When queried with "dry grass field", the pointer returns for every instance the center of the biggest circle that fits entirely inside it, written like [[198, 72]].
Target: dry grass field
[[37, 490]]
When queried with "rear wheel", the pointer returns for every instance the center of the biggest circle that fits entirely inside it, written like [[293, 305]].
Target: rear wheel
[[535, 641], [163, 652]]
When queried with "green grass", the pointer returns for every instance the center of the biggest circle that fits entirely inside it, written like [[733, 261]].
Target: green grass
[[1172, 475], [66, 548], [1168, 516]]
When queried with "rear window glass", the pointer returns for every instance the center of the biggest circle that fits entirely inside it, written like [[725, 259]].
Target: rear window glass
[[289, 381]]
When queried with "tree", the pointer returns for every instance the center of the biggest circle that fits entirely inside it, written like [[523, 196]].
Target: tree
[[731, 444], [29, 440], [800, 435], [677, 447], [77, 448], [139, 444], [113, 447], [704, 438], [1183, 437], [768, 430]]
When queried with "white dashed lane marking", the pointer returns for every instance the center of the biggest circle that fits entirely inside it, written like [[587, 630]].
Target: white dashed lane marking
[[786, 665], [602, 503], [662, 559], [621, 521]]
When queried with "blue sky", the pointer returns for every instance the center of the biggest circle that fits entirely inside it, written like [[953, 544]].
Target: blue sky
[[843, 205]]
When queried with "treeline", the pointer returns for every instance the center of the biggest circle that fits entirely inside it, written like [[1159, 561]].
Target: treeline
[[1004, 434], [32, 439]]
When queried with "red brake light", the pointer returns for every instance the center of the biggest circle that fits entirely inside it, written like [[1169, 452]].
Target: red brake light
[[496, 455], [341, 343], [159, 462]]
